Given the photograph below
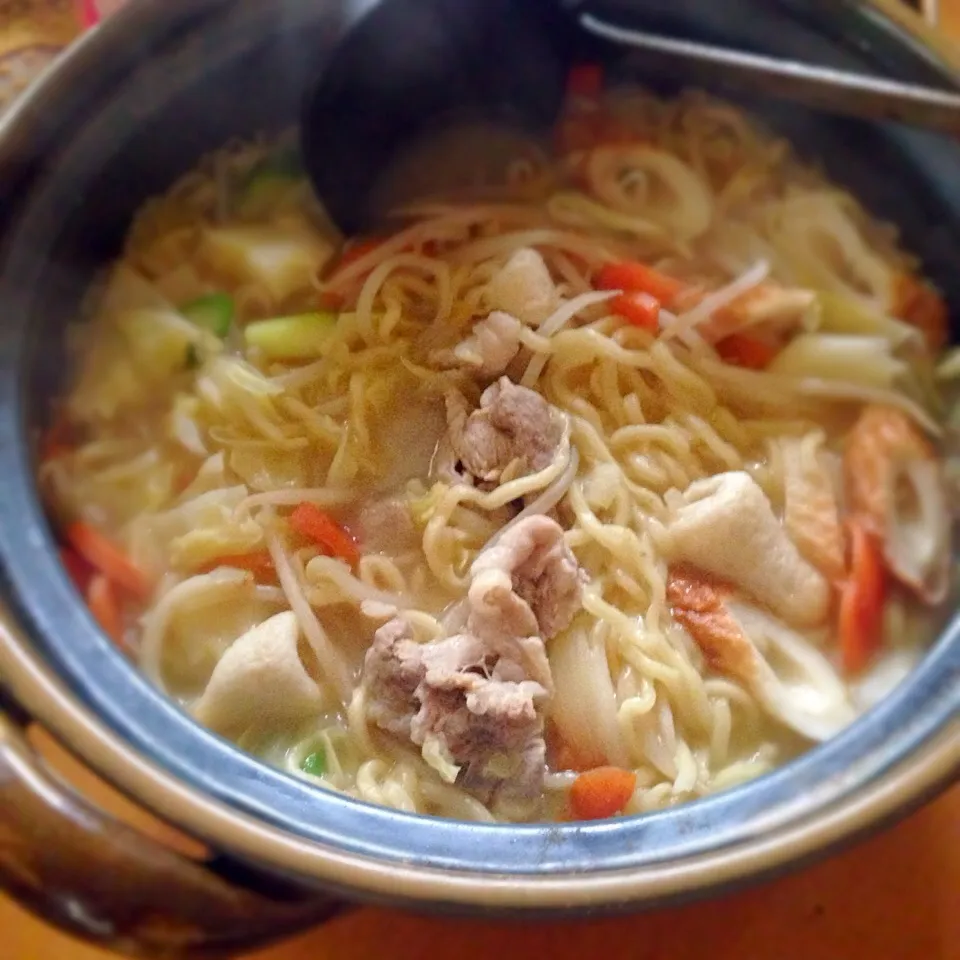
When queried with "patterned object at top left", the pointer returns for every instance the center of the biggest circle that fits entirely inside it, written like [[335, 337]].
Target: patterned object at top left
[[32, 33]]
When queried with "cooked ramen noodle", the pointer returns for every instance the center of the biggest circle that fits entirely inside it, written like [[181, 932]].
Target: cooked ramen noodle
[[608, 477]]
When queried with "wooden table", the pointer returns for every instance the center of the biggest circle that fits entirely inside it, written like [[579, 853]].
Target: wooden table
[[894, 897]]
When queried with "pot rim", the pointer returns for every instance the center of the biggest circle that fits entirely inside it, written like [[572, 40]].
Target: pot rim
[[40, 690], [48, 700]]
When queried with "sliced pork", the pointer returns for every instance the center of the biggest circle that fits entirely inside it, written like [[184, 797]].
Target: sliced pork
[[531, 564], [392, 672], [488, 350], [473, 702], [472, 709], [385, 526], [514, 432]]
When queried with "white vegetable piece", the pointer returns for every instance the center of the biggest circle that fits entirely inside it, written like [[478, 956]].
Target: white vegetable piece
[[725, 526], [584, 706], [492, 344], [524, 288], [791, 678], [195, 532], [837, 356], [127, 289], [260, 680], [134, 347], [919, 528], [283, 257]]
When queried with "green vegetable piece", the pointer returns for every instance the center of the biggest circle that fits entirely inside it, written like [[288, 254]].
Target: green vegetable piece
[[315, 764], [265, 185], [291, 338], [192, 359], [284, 162], [213, 312]]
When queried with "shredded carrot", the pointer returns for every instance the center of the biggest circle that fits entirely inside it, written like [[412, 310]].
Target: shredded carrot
[[356, 250], [601, 792], [563, 755], [567, 758], [333, 300], [612, 131], [585, 80], [746, 351], [580, 132], [585, 124], [259, 563], [633, 277], [55, 441], [77, 568], [861, 599], [918, 304], [639, 309], [108, 558], [311, 522], [103, 604], [575, 134], [330, 300]]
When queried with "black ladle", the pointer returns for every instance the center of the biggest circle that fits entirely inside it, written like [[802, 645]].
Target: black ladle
[[411, 65]]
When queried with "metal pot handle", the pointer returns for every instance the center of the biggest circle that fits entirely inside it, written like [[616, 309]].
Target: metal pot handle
[[102, 880]]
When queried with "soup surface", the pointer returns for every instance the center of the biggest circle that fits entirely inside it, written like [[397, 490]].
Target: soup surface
[[610, 474]]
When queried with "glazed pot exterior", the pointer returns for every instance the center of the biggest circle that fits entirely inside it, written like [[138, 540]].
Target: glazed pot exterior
[[134, 105]]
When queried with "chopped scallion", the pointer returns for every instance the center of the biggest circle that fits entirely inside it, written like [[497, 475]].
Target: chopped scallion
[[267, 182], [212, 311], [291, 338], [315, 764], [283, 162]]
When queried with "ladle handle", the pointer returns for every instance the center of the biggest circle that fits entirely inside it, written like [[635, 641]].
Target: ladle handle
[[823, 88]]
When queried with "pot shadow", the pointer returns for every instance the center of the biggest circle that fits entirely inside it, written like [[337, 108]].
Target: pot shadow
[[892, 897]]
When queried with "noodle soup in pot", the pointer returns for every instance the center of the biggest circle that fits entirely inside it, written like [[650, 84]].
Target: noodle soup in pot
[[609, 476]]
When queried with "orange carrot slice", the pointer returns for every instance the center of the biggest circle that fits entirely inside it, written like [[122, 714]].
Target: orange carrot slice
[[585, 80], [312, 523], [259, 563], [918, 304], [633, 277], [601, 792], [638, 309], [746, 351], [861, 600], [55, 441], [77, 568]]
